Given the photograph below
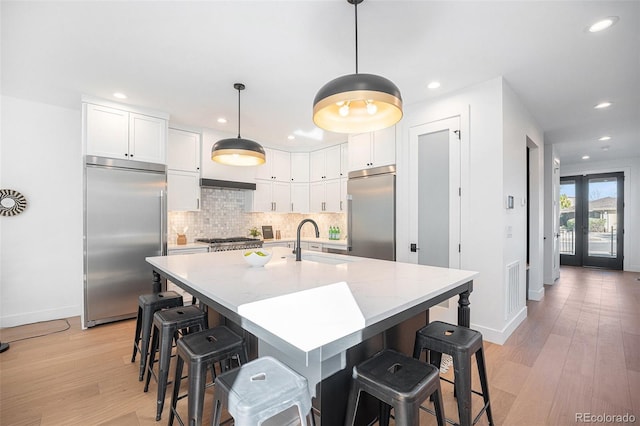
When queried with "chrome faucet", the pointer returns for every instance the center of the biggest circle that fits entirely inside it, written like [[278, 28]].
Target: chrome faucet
[[298, 251]]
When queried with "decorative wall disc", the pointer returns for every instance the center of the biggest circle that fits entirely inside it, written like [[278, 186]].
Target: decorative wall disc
[[11, 202]]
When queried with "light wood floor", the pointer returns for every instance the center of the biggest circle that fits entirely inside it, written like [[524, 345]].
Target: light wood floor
[[577, 352]]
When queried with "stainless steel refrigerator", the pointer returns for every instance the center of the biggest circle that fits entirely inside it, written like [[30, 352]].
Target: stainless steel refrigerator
[[124, 222], [371, 213]]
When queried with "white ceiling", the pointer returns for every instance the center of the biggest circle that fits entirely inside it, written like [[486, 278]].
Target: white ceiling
[[183, 58]]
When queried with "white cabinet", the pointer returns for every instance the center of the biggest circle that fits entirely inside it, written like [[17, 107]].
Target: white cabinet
[[344, 160], [183, 176], [183, 151], [271, 244], [277, 166], [325, 196], [119, 133], [374, 149], [343, 194], [314, 246], [269, 197], [299, 167], [325, 164], [183, 191], [300, 197]]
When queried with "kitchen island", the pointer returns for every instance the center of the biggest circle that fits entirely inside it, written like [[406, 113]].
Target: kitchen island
[[321, 315]]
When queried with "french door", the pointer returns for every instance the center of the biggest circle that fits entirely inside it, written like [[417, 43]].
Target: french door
[[592, 220]]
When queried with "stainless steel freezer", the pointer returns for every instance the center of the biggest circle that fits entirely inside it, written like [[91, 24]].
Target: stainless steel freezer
[[371, 213], [124, 222]]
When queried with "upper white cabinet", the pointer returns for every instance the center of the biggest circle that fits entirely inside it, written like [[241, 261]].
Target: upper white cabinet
[[121, 133], [274, 197], [344, 160], [325, 163], [324, 196], [277, 166], [374, 149], [183, 177], [300, 197], [183, 191], [184, 151], [299, 167]]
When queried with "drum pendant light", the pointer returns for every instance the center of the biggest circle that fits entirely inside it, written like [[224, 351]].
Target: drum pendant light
[[357, 103], [238, 151]]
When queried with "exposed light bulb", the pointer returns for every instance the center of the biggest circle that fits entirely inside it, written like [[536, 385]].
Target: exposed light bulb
[[372, 108], [344, 110]]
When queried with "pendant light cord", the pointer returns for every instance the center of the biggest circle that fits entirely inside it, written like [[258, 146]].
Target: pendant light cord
[[239, 113], [355, 5]]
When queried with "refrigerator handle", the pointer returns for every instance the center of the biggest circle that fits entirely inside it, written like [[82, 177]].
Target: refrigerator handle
[[349, 221], [163, 231]]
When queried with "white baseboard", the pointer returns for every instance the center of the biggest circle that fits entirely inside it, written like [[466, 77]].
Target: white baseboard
[[536, 295], [633, 268], [500, 336], [39, 316]]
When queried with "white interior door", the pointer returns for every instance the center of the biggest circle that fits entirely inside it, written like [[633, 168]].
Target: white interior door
[[556, 220], [435, 193]]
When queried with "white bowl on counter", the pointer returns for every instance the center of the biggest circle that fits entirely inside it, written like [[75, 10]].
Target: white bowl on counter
[[257, 257]]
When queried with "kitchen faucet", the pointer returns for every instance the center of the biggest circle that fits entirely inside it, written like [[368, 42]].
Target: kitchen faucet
[[298, 251]]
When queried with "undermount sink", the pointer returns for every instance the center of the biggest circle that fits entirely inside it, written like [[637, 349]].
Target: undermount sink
[[326, 259]]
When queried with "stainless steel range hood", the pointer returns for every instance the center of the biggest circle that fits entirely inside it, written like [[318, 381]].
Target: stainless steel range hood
[[215, 183]]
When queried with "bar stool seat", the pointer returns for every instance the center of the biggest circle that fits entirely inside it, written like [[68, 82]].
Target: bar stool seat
[[461, 343], [259, 390], [149, 304], [201, 350], [167, 324], [397, 381]]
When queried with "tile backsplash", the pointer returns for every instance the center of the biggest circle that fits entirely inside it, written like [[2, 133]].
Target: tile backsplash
[[222, 215]]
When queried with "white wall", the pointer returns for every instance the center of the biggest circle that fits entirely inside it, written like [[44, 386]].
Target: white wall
[[41, 263], [495, 126], [631, 169]]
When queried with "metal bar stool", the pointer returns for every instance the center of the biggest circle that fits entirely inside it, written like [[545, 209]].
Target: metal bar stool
[[461, 343], [397, 381], [202, 350], [167, 324], [149, 304], [259, 390]]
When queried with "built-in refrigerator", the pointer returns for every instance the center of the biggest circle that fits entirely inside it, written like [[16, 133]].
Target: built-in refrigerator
[[371, 213], [124, 222]]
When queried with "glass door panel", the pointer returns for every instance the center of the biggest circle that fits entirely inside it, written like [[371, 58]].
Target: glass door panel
[[568, 237], [604, 212]]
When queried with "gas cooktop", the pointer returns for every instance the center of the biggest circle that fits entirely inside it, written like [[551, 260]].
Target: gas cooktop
[[225, 240]]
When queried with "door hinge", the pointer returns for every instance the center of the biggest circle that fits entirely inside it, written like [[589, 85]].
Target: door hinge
[[459, 248], [459, 192], [458, 133]]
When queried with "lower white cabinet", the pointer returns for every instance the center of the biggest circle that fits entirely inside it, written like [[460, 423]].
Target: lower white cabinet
[[270, 244], [183, 191]]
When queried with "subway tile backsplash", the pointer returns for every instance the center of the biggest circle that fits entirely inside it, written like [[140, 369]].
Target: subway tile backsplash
[[222, 215]]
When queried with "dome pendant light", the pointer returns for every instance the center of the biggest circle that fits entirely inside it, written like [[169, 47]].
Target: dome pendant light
[[238, 151], [357, 103]]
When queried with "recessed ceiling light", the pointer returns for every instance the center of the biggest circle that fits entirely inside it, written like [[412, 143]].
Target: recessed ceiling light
[[433, 85], [605, 148], [222, 120], [119, 95], [605, 138], [603, 105], [585, 157], [291, 137], [603, 24]]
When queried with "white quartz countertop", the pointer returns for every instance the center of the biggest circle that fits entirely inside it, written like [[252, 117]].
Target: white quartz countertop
[[379, 290]]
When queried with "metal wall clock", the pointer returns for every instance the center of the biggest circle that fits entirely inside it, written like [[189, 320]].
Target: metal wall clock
[[11, 202]]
